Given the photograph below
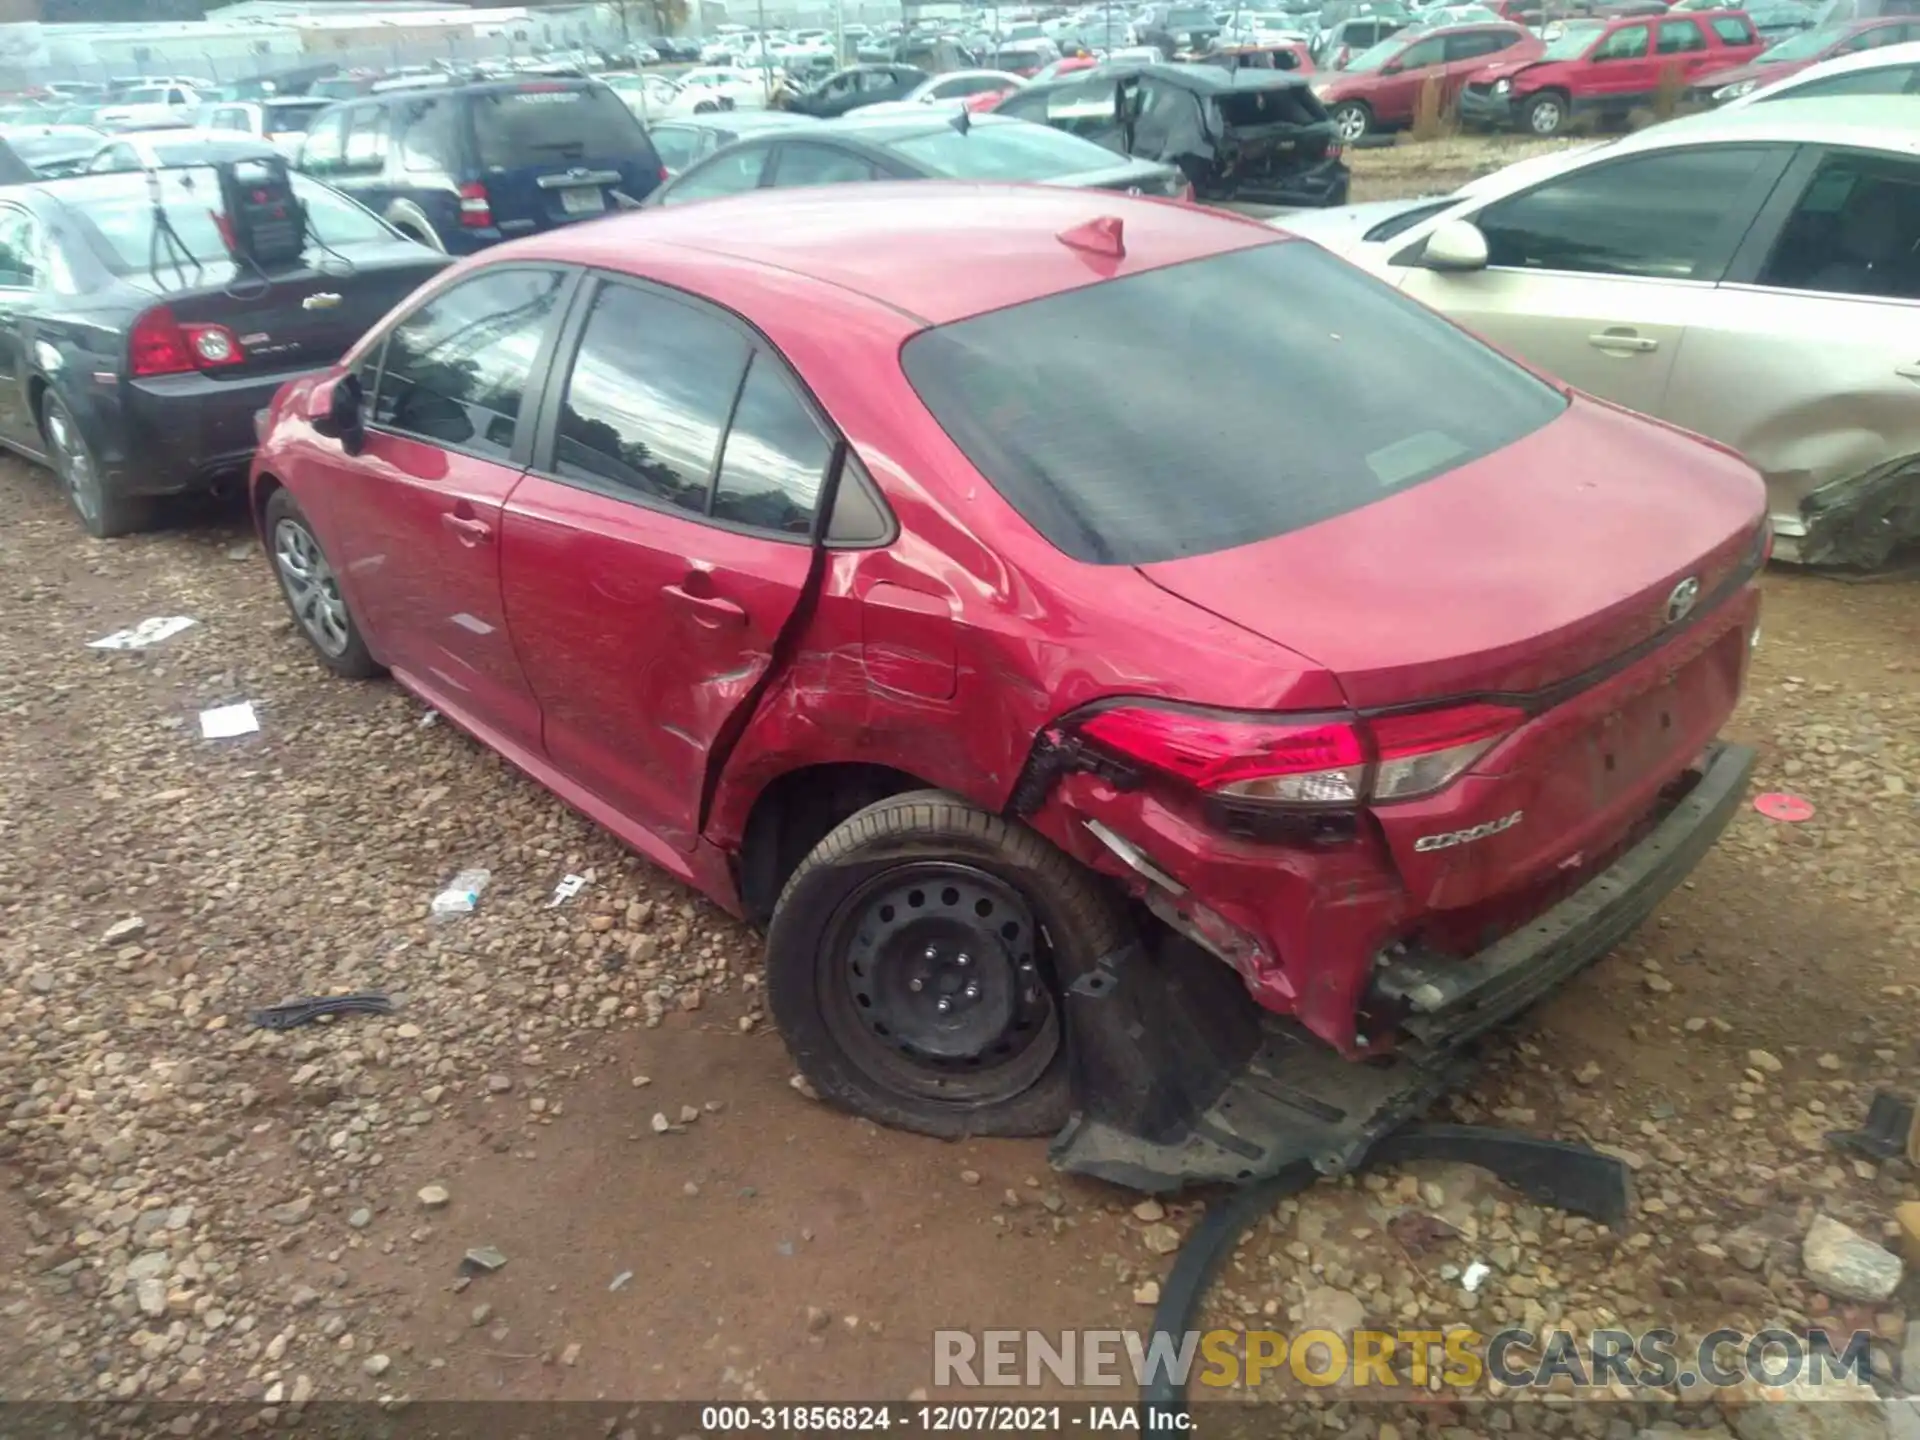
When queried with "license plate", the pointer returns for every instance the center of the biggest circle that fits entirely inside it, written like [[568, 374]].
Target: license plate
[[583, 200]]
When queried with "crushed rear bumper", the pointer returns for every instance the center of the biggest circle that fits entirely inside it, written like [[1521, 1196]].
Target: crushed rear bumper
[[1182, 1080]]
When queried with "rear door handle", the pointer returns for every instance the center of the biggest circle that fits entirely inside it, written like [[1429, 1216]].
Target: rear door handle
[[708, 610], [1626, 342], [470, 530], [1909, 372]]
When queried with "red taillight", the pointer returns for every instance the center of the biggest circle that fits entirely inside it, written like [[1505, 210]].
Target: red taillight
[[664, 177], [542, 87], [161, 345], [1305, 760], [476, 210]]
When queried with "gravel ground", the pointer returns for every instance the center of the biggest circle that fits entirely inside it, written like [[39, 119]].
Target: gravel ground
[[194, 1207]]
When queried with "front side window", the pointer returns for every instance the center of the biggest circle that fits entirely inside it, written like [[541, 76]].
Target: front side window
[[1732, 30], [733, 173], [818, 165], [1852, 232], [1670, 216], [366, 147], [324, 146], [1078, 407], [458, 368], [1627, 44], [19, 251], [1422, 54], [1479, 42], [648, 398]]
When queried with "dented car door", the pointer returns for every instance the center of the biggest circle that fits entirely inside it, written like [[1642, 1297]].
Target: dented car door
[[658, 548]]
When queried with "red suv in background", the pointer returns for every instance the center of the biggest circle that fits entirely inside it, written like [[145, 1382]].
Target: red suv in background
[[1605, 69], [881, 584], [1790, 56], [1380, 88]]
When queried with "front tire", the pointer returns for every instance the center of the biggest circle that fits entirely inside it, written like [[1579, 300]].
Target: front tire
[[912, 962], [1545, 114], [312, 591], [104, 514], [1351, 122]]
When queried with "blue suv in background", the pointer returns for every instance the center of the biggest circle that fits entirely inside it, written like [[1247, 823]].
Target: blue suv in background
[[463, 166]]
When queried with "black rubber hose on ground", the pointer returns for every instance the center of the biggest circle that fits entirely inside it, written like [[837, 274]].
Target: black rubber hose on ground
[[1211, 1242]]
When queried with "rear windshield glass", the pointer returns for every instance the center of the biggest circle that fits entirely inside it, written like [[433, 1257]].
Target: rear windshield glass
[[548, 124], [1216, 403], [1004, 152], [122, 211]]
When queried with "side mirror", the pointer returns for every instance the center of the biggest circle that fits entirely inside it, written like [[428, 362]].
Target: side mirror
[[1456, 245], [336, 409]]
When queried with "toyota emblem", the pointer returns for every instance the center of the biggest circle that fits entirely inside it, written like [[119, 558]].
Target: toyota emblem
[[1681, 602]]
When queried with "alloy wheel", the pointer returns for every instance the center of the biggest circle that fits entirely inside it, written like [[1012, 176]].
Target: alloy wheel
[[73, 463], [1350, 123], [312, 588], [934, 984], [1545, 117]]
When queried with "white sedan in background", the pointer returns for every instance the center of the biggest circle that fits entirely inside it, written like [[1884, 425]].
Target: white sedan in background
[[747, 89], [951, 90], [1751, 274]]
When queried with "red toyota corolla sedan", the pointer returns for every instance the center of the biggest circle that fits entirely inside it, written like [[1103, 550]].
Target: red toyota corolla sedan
[[1132, 663]]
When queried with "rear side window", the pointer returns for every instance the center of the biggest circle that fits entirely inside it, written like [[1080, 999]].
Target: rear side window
[[1733, 30], [1677, 37], [426, 133], [775, 458], [553, 125], [648, 398], [1216, 403]]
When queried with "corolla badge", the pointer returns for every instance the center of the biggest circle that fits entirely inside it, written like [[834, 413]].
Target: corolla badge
[[1450, 838], [1684, 597]]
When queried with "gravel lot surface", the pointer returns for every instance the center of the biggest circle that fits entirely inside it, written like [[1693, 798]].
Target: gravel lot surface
[[194, 1207]]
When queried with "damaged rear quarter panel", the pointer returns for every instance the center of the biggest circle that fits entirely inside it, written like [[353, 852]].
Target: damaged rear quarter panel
[[1814, 390], [1027, 635]]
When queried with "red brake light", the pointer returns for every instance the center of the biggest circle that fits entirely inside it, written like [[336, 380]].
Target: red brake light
[[476, 210], [161, 345], [1339, 760], [541, 87]]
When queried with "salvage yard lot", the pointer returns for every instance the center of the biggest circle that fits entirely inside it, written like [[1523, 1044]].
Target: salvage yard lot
[[194, 1207]]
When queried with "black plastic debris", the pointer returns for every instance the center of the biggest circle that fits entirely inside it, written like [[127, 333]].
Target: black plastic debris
[[1884, 1136], [291, 1014]]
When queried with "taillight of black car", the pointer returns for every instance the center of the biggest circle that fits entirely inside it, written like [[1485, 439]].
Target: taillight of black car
[[160, 345]]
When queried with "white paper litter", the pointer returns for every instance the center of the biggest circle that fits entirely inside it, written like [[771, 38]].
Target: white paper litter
[[1474, 1275], [223, 722], [462, 894], [568, 887], [150, 631]]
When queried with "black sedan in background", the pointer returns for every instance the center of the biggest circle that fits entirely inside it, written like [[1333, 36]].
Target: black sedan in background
[[911, 147], [134, 351], [687, 138]]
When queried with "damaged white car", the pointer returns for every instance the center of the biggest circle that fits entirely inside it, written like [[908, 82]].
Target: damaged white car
[[1751, 275]]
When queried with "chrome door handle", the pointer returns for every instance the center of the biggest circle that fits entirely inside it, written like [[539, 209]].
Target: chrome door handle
[[1624, 341], [470, 531]]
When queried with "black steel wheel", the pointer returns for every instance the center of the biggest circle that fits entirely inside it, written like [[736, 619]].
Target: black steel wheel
[[914, 960], [931, 982]]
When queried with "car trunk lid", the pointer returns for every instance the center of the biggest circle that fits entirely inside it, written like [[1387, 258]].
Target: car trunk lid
[[301, 318], [1583, 587]]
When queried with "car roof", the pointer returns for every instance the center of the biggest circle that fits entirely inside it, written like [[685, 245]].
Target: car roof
[[743, 122], [934, 251], [1870, 122]]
